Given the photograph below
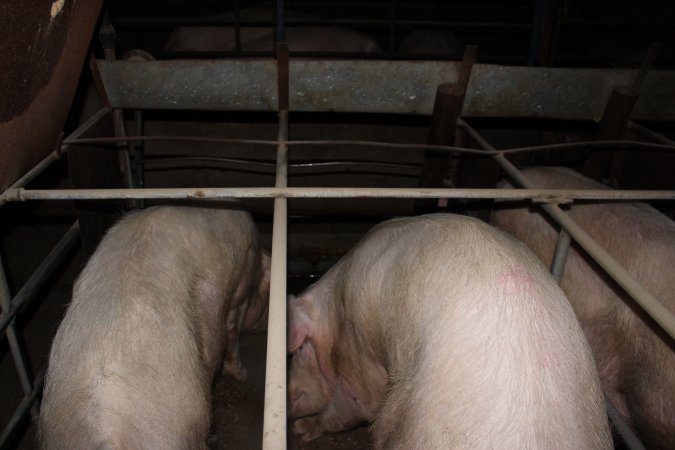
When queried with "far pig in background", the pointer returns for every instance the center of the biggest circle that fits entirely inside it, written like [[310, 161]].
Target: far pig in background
[[443, 332], [158, 305], [261, 38], [635, 359]]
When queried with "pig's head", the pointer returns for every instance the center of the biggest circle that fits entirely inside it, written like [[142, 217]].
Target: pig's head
[[255, 319], [312, 377]]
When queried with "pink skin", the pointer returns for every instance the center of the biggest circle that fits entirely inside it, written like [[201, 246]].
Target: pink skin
[[321, 396]]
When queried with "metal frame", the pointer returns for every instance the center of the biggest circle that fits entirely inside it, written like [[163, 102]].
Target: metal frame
[[275, 392]]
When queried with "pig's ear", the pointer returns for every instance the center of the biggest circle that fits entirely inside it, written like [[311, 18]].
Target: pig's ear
[[266, 269], [266, 261], [299, 323]]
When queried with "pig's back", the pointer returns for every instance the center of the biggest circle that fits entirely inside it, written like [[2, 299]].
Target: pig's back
[[636, 366], [125, 369], [491, 345]]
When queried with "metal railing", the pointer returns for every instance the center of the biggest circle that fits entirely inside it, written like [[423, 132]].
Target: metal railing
[[275, 385]]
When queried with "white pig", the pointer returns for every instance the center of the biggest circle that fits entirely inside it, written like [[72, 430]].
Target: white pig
[[159, 303], [261, 38], [445, 333], [635, 364]]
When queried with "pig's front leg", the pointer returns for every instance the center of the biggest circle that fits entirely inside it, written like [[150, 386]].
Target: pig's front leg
[[342, 413]]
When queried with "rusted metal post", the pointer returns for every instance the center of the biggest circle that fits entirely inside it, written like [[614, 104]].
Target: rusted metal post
[[612, 125], [107, 37], [447, 108], [615, 119]]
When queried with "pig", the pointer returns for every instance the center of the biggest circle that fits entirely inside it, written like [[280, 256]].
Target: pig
[[635, 359], [261, 38], [444, 332], [161, 300]]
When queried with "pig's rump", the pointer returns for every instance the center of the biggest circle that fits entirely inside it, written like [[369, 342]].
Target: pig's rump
[[635, 359], [132, 361], [481, 348]]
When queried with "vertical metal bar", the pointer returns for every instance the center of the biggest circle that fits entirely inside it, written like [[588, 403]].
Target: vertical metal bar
[[138, 149], [392, 26], [274, 420], [280, 25], [562, 247], [107, 37], [469, 59], [627, 434], [447, 108], [13, 339], [647, 63], [535, 35], [237, 28]]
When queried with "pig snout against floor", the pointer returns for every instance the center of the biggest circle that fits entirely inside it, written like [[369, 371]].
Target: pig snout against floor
[[158, 305], [261, 38], [636, 361], [444, 333]]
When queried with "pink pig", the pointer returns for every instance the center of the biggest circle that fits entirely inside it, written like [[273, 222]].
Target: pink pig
[[444, 333]]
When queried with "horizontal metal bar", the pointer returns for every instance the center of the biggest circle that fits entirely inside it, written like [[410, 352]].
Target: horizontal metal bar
[[652, 306], [616, 144], [494, 27], [21, 411], [400, 87], [41, 274], [537, 195], [298, 169]]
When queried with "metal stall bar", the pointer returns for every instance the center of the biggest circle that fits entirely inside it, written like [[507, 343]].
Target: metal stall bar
[[538, 195], [274, 418], [58, 152], [648, 302], [24, 296], [649, 133], [562, 247], [41, 274], [627, 434], [15, 343], [21, 411]]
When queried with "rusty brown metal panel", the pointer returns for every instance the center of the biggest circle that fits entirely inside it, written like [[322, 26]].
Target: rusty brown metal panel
[[43, 44]]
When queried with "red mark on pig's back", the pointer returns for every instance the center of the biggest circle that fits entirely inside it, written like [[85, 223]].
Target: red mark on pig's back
[[516, 281]]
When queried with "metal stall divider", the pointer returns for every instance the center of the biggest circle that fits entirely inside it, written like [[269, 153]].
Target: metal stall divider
[[275, 417]]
